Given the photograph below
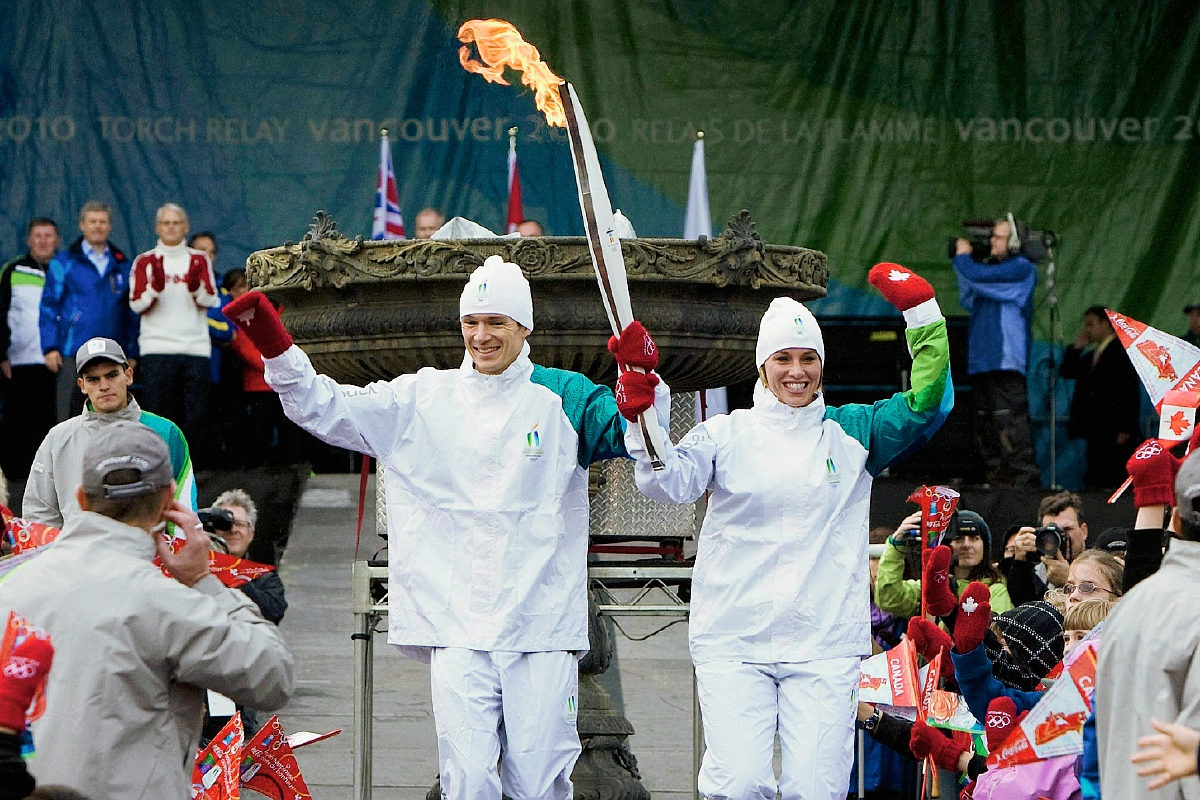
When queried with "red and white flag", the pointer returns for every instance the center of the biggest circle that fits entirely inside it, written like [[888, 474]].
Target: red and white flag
[[1163, 362], [388, 223], [516, 212]]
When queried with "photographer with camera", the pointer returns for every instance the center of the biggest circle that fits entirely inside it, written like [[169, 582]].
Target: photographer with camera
[[1061, 537], [997, 292]]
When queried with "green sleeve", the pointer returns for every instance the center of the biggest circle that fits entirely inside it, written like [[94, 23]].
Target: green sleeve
[[891, 429], [181, 457], [1000, 601], [592, 411], [893, 594]]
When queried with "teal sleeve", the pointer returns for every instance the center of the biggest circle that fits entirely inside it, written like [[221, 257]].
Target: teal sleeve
[[592, 410], [181, 457], [903, 423]]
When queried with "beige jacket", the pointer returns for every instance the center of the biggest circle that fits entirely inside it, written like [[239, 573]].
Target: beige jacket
[[58, 465], [134, 651], [1149, 667]]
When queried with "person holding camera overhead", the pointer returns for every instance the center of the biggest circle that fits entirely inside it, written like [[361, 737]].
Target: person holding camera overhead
[[997, 292], [104, 377]]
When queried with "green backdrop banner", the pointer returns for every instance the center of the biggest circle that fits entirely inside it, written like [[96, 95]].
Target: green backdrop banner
[[865, 129]]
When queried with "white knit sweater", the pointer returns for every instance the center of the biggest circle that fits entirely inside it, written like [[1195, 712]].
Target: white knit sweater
[[175, 320]]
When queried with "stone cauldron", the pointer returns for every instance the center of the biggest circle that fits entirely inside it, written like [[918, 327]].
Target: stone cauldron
[[370, 310]]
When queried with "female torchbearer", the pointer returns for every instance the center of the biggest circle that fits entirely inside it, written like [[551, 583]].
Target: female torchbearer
[[780, 593]]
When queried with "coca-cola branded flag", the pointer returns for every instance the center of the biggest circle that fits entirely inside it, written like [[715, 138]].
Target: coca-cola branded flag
[[1163, 362], [891, 678], [230, 570], [269, 767], [937, 507], [215, 775]]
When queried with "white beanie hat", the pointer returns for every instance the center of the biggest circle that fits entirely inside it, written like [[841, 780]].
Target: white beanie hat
[[787, 323], [498, 287]]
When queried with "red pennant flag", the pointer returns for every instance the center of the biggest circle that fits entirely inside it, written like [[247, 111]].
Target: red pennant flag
[[24, 535], [230, 570], [902, 674], [1163, 362], [216, 775], [269, 767], [16, 630]]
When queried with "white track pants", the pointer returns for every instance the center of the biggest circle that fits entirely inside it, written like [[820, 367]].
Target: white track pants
[[812, 706], [517, 706]]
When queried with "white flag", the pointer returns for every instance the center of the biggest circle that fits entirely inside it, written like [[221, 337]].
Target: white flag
[[698, 222]]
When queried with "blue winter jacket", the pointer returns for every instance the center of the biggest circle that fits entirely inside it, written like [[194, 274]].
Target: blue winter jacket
[[79, 303], [999, 298], [979, 687]]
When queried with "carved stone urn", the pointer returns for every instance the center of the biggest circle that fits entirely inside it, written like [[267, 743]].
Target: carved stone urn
[[370, 310]]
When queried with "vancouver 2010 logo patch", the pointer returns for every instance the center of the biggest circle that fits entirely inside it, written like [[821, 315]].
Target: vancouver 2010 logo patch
[[533, 443]]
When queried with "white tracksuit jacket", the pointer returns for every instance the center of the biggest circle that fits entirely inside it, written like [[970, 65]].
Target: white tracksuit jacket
[[782, 571], [486, 481]]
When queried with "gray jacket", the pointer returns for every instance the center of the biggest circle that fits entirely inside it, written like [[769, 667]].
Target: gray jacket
[[1149, 667], [57, 467], [134, 651]]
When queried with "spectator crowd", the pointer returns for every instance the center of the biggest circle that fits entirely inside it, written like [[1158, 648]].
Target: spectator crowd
[[125, 647]]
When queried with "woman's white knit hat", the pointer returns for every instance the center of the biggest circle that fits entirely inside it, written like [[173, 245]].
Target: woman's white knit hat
[[786, 324]]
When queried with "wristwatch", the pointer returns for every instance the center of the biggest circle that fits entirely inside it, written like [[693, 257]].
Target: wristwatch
[[872, 722]]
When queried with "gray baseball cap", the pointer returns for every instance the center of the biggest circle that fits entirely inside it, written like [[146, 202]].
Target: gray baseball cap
[[1187, 489], [96, 348], [126, 445]]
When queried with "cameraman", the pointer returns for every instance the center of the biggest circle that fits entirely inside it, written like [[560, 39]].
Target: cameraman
[[1060, 539], [998, 295]]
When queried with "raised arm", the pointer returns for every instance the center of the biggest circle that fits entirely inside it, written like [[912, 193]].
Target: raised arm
[[364, 419]]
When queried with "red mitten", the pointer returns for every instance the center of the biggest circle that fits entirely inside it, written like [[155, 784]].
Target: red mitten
[[635, 393], [1153, 470], [634, 348], [257, 318], [935, 581], [158, 275], [20, 677], [1000, 719], [929, 640], [924, 741], [899, 285], [974, 615]]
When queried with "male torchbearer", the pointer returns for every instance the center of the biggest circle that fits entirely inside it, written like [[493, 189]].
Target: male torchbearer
[[485, 468]]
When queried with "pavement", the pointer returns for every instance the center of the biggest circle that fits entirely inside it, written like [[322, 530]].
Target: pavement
[[656, 676]]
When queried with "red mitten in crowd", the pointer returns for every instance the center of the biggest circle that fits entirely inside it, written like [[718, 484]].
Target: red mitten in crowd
[[635, 393], [20, 676], [899, 285], [1153, 470], [158, 275], [924, 741], [974, 615], [935, 581], [257, 319], [634, 348], [930, 640], [999, 721]]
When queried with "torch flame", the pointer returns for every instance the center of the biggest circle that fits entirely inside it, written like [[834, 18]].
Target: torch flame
[[501, 45]]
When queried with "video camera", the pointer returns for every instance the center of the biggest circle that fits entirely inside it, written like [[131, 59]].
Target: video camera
[[1022, 240]]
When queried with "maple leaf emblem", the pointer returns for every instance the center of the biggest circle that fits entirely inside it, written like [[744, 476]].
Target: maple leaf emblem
[[969, 605], [1178, 424], [246, 316], [897, 276]]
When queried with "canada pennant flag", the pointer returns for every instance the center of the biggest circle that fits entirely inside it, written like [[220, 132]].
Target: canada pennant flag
[[1163, 362]]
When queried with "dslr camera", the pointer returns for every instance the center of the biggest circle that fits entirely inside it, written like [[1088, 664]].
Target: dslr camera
[[1049, 540], [216, 519], [1022, 240]]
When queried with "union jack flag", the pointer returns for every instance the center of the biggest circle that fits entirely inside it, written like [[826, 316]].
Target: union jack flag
[[388, 223]]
